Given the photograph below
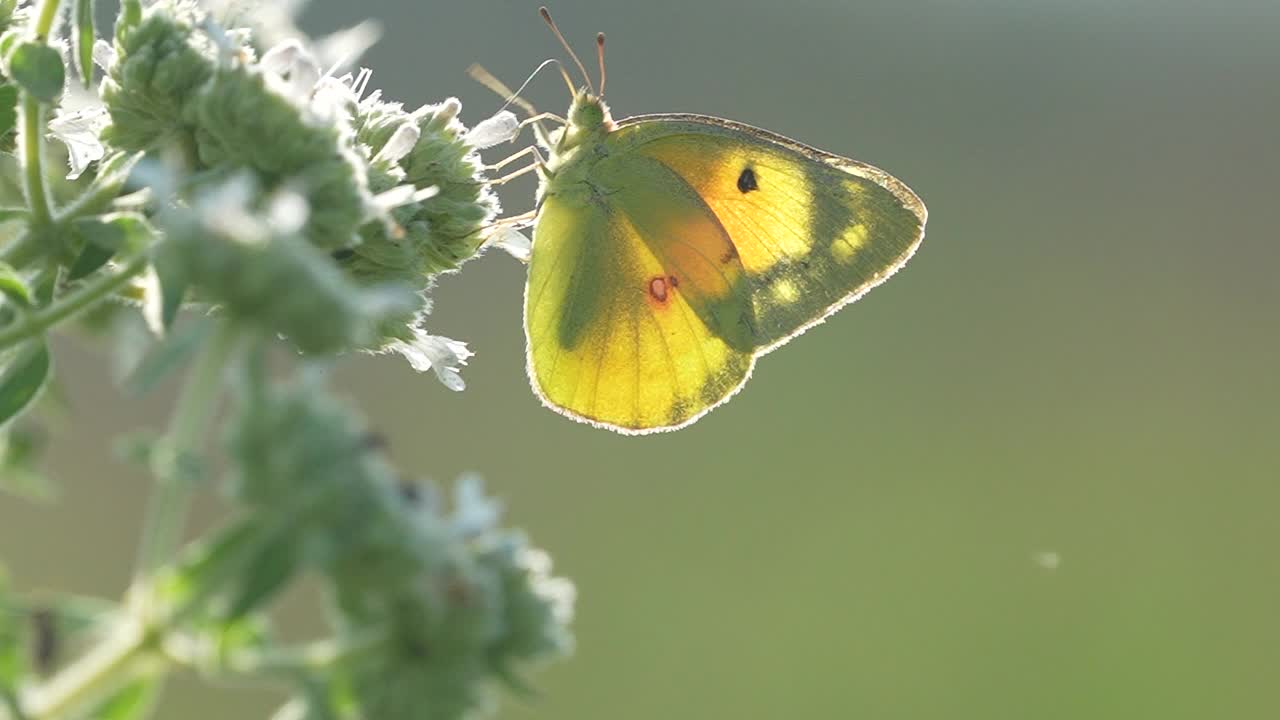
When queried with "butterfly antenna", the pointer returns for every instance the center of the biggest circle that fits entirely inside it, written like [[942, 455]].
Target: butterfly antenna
[[546, 15], [600, 55], [486, 78]]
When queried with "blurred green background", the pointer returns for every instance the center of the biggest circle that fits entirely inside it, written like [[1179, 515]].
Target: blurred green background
[[1034, 476]]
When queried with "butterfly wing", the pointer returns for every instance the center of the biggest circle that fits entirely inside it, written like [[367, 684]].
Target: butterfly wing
[[624, 337], [695, 246], [813, 230]]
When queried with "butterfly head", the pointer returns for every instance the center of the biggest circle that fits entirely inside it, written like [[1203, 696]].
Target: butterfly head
[[589, 113]]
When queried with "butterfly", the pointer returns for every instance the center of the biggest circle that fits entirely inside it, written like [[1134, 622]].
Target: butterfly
[[671, 251]]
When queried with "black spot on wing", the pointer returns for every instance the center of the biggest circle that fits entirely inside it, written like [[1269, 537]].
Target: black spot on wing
[[747, 181]]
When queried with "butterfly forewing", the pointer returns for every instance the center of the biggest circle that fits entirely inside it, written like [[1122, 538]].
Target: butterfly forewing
[[813, 230]]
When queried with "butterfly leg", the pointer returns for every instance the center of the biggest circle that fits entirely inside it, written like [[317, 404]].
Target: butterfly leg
[[538, 164], [543, 116], [539, 132], [513, 175], [531, 150]]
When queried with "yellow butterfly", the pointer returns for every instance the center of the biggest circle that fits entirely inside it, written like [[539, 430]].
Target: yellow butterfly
[[671, 251]]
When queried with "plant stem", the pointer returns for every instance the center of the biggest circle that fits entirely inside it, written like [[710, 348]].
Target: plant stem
[[284, 663], [169, 504], [33, 117], [22, 251], [48, 13], [103, 669], [32, 324], [33, 160]]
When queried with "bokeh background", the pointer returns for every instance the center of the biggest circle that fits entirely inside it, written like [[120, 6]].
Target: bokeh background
[[1034, 476]]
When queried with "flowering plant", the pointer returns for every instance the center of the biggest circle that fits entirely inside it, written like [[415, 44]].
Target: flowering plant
[[232, 189]]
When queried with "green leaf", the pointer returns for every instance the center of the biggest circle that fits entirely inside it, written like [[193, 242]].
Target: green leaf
[[167, 356], [103, 237], [84, 41], [275, 565], [13, 660], [206, 568], [174, 282], [130, 17], [75, 616], [47, 285], [28, 485], [9, 214], [22, 378], [38, 69], [91, 258], [20, 448], [132, 702], [13, 287], [118, 231], [8, 108], [10, 38]]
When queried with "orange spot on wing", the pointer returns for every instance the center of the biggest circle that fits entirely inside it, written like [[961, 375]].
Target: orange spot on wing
[[658, 289]]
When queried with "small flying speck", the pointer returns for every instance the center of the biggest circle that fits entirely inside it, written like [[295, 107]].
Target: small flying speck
[[1048, 560]]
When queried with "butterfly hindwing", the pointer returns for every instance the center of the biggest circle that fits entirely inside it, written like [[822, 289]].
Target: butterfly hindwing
[[622, 335]]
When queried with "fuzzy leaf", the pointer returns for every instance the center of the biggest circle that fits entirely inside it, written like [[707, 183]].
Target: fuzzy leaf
[[38, 69], [84, 37], [167, 356], [22, 378], [21, 446], [13, 287], [132, 702], [8, 108], [92, 257], [13, 659], [103, 237]]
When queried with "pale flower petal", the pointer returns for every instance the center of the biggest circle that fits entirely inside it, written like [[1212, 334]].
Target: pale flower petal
[[345, 47], [502, 127], [438, 354], [514, 242], [400, 143], [79, 131], [104, 55]]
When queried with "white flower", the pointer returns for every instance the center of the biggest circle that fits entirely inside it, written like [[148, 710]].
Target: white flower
[[438, 354], [473, 512], [295, 66], [274, 23], [400, 144], [104, 54], [403, 195], [513, 241], [79, 131], [502, 127]]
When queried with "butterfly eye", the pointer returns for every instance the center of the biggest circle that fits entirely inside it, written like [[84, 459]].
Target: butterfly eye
[[747, 181]]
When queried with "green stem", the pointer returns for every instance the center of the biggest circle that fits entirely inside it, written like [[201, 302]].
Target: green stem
[[284, 662], [95, 200], [21, 252], [95, 675], [33, 160], [12, 703], [48, 13], [33, 324], [33, 119], [167, 513]]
